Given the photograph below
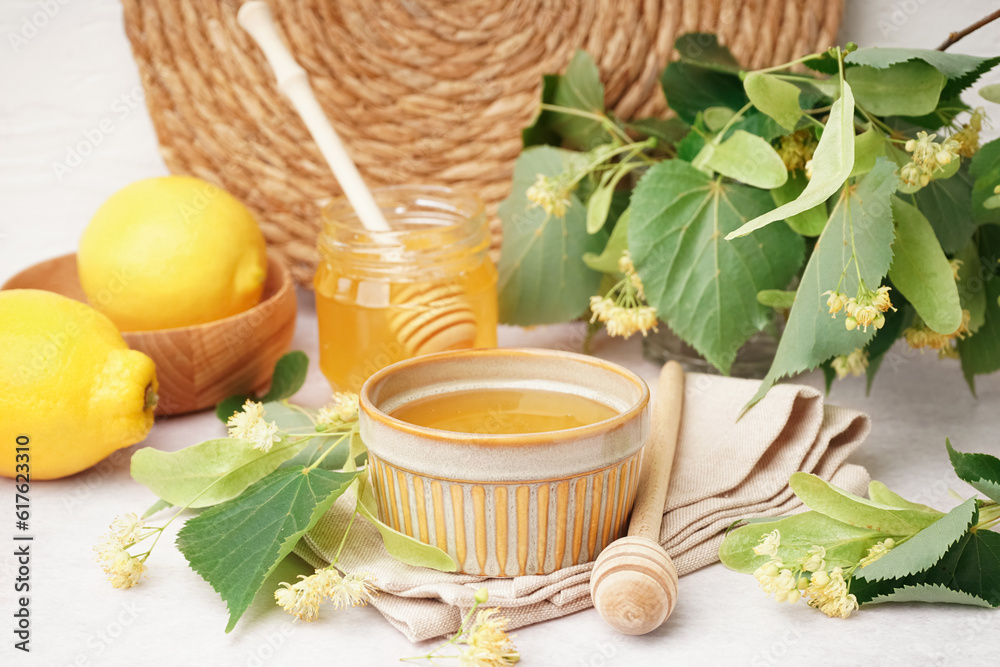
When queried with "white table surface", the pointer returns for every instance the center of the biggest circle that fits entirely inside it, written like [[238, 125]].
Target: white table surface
[[75, 70]]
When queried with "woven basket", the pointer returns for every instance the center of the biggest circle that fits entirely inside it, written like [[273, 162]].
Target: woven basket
[[422, 91]]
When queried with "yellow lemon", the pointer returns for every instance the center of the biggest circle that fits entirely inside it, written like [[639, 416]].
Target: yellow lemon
[[71, 392], [171, 252]]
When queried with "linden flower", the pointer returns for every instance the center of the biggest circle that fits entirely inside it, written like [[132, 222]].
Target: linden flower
[[550, 194], [768, 544], [836, 302], [877, 551], [815, 559], [124, 570], [343, 409], [828, 593], [620, 320], [303, 598], [866, 308], [626, 266], [854, 364], [352, 589], [919, 336], [487, 642], [248, 424], [127, 528], [968, 136], [797, 149], [928, 156], [956, 265], [301, 601]]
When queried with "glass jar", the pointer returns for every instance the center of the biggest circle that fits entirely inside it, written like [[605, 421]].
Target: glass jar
[[425, 285]]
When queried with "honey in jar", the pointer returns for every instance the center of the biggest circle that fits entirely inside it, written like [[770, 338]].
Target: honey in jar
[[425, 285]]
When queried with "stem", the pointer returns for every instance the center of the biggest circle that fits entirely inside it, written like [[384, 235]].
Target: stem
[[789, 64], [329, 449], [599, 118], [955, 36], [454, 638], [736, 116], [297, 408]]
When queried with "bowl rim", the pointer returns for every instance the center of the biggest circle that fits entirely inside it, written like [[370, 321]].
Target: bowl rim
[[273, 263], [505, 439]]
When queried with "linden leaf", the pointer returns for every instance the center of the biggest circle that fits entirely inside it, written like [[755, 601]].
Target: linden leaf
[[841, 505], [777, 98], [981, 471], [236, 545], [961, 70], [705, 288], [920, 270], [811, 336], [924, 549], [910, 88], [209, 472], [749, 159], [288, 377], [930, 593], [880, 493], [607, 261], [809, 222], [981, 353], [832, 163], [542, 276]]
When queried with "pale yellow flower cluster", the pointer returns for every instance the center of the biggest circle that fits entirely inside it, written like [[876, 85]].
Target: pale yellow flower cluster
[[927, 157], [920, 337], [877, 551], [968, 136], [343, 409], [123, 569], [827, 591], [551, 194], [303, 598], [487, 643], [622, 310], [249, 424], [854, 363], [863, 310], [796, 149]]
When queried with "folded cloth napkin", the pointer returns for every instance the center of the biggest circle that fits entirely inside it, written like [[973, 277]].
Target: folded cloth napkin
[[724, 470]]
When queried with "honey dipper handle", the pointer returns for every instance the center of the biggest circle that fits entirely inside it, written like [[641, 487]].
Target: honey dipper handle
[[658, 459]]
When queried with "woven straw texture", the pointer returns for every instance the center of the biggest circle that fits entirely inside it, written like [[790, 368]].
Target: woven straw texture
[[426, 91]]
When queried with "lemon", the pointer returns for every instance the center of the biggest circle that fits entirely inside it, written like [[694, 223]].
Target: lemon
[[171, 252], [70, 389]]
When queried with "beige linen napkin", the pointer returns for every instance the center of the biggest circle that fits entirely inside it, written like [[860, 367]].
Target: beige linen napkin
[[724, 470]]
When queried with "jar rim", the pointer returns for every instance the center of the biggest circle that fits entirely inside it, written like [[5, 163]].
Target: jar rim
[[463, 204]]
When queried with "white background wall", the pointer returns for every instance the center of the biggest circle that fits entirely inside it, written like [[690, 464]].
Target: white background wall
[[68, 85]]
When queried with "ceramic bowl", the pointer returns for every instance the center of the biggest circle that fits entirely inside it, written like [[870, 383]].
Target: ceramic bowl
[[200, 365], [507, 505]]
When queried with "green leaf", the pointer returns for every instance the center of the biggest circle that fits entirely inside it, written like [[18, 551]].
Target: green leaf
[[985, 169], [289, 376], [935, 593], [777, 98], [210, 472], [811, 336], [883, 340], [981, 352], [717, 117], [924, 549], [809, 222], [236, 545], [868, 146], [981, 471], [970, 286], [841, 505], [599, 204], [542, 277], [579, 88], [910, 88], [293, 419], [921, 272], [833, 161], [691, 88], [403, 547], [882, 494], [845, 544], [607, 261], [991, 93], [748, 158], [667, 131], [703, 48], [540, 131], [776, 298], [156, 508], [704, 288], [960, 70], [948, 206]]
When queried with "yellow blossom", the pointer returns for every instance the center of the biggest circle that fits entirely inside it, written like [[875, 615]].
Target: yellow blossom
[[877, 551], [353, 590], [248, 424], [301, 601], [815, 559], [488, 642], [836, 302], [343, 409], [828, 593], [796, 149], [124, 570], [919, 336], [956, 265], [927, 157], [550, 194], [968, 136], [854, 364], [769, 544]]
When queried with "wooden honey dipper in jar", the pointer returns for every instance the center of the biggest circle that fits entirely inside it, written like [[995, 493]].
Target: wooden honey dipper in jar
[[634, 582], [433, 318]]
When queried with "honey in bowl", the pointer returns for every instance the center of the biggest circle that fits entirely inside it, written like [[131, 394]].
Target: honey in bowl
[[503, 411]]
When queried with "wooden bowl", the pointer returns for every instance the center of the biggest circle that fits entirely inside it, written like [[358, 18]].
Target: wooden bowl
[[200, 365]]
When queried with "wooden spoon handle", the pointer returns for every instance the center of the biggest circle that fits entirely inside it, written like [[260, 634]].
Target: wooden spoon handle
[[658, 459]]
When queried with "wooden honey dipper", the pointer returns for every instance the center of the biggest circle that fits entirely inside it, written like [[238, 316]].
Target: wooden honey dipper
[[634, 582], [433, 318]]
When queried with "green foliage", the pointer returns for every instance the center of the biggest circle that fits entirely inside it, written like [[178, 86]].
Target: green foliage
[[853, 510], [210, 472], [403, 547], [947, 205], [809, 222], [868, 147], [880, 493], [910, 88], [776, 298], [811, 335], [579, 88], [249, 535], [288, 377], [985, 169], [844, 543], [991, 93], [542, 275], [832, 164], [706, 288], [705, 76], [777, 98], [920, 270], [667, 131], [970, 285], [980, 471], [748, 158], [980, 353], [960, 70], [607, 261]]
